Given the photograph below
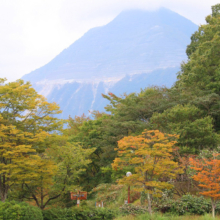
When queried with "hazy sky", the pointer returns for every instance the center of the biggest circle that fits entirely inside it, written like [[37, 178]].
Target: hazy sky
[[32, 32]]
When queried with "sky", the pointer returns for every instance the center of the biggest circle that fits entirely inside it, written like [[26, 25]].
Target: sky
[[33, 32]]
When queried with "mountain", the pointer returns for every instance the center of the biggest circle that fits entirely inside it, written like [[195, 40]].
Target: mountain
[[135, 50]]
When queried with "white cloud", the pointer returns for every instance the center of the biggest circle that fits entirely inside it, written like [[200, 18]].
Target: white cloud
[[35, 31]]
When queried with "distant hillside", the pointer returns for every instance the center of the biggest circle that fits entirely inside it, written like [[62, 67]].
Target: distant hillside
[[135, 50]]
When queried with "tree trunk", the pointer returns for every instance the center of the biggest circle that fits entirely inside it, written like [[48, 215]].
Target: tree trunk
[[3, 188], [41, 198], [3, 196], [213, 208], [149, 203], [213, 212], [129, 195]]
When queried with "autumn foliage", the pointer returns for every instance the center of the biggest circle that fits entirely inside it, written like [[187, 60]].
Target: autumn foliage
[[208, 176], [149, 156]]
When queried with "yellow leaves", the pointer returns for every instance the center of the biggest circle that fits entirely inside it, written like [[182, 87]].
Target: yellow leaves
[[136, 160], [18, 159], [150, 154], [27, 124], [44, 170]]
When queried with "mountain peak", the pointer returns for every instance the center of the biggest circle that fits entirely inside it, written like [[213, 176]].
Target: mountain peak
[[135, 42], [135, 50]]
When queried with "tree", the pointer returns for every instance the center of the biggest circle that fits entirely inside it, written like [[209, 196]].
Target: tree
[[202, 69], [72, 160], [21, 106], [133, 111], [130, 115], [14, 158], [149, 156], [26, 122], [200, 74], [37, 187], [194, 127], [208, 176], [57, 172], [91, 134]]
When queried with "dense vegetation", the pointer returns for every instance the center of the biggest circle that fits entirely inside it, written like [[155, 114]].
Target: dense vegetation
[[168, 138]]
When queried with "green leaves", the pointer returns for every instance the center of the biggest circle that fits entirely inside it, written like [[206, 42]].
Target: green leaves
[[71, 159], [202, 69], [190, 123]]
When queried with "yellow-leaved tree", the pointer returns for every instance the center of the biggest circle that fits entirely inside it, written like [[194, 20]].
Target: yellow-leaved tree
[[26, 119], [149, 156], [14, 157]]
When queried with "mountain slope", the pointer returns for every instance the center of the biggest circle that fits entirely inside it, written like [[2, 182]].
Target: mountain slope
[[130, 49]]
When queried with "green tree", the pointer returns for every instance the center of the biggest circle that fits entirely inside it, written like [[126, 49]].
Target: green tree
[[194, 128], [133, 111], [202, 69], [200, 75], [57, 173], [93, 134]]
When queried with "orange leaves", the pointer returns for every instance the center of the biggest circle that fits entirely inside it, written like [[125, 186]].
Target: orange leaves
[[208, 175], [149, 155]]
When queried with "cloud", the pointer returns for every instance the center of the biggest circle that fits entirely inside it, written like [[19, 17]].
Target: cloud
[[34, 32]]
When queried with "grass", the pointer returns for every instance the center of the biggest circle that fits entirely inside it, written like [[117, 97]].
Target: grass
[[167, 217]]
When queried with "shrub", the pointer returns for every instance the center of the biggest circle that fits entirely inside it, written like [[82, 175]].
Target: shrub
[[130, 209], [79, 214], [58, 213], [194, 205], [19, 211], [187, 204]]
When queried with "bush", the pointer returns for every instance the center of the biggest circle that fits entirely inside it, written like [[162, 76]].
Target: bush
[[19, 211], [187, 204], [79, 214], [193, 205], [58, 213], [130, 209]]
